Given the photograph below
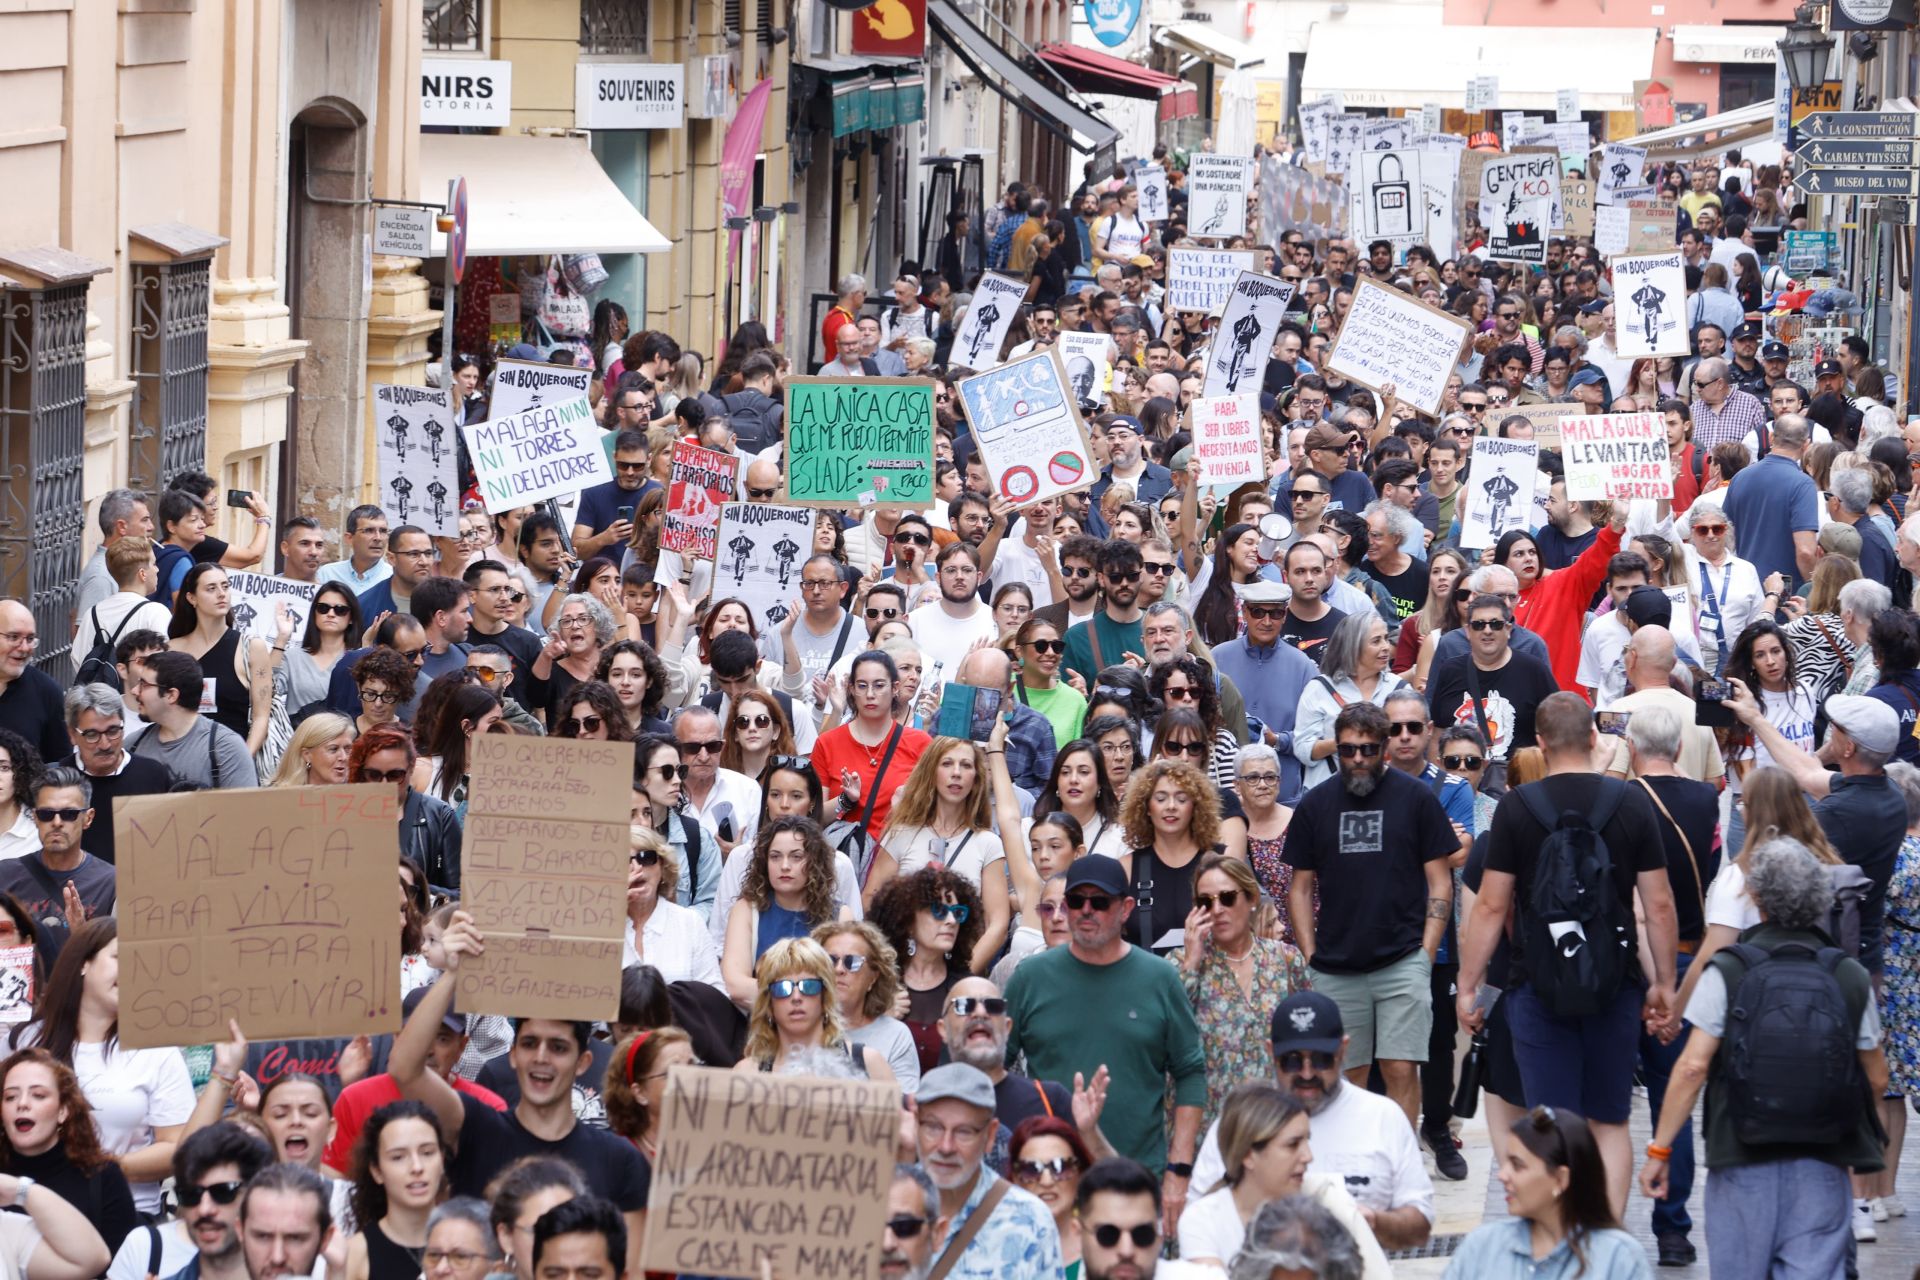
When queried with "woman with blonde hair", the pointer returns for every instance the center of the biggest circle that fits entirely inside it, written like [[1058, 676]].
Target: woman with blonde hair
[[789, 889], [316, 755], [1818, 634], [944, 815], [637, 1081], [794, 1010], [1172, 818], [660, 932], [866, 980]]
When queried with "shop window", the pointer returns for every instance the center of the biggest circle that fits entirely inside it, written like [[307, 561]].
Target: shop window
[[168, 355], [453, 26], [613, 26]]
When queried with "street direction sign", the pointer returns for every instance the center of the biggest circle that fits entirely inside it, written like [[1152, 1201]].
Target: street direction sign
[[1861, 124], [1859, 182], [1868, 153]]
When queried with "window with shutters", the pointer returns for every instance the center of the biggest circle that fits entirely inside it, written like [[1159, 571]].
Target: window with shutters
[[613, 26], [168, 352], [453, 26]]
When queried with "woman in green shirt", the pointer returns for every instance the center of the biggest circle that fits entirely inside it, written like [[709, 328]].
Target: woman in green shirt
[[1038, 649]]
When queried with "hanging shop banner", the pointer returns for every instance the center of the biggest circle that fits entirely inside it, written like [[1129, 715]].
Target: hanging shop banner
[[461, 91], [413, 434], [1024, 417], [1112, 21]]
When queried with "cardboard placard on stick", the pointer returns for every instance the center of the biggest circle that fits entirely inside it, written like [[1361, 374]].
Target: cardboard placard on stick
[[762, 549], [788, 1171], [1616, 455], [1028, 428], [272, 907], [1227, 449], [549, 451], [520, 385], [544, 874], [858, 442], [1544, 417], [1650, 306], [701, 482], [1390, 336]]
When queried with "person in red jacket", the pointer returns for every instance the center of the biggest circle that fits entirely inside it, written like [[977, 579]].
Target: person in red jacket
[[1553, 602]]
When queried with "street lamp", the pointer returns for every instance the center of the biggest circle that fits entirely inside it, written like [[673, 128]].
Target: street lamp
[[1805, 50]]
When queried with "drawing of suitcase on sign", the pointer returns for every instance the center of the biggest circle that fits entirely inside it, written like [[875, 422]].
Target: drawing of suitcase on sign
[[1392, 199]]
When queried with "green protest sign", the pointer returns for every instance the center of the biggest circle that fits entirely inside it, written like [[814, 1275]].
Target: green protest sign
[[858, 442]]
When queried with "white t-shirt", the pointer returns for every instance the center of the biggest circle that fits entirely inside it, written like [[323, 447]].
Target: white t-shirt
[[1210, 1227], [131, 608], [18, 1239], [967, 855], [1734, 586], [1727, 900], [1791, 711], [133, 1092], [1015, 561], [945, 639], [1362, 1138], [1119, 234]]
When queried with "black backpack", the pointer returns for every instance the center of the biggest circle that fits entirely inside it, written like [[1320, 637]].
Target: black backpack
[[1576, 937], [1791, 1072], [97, 667], [757, 421]]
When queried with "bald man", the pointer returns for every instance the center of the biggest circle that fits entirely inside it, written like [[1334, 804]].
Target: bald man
[[1030, 739], [1650, 661], [29, 698], [848, 362], [977, 1035]]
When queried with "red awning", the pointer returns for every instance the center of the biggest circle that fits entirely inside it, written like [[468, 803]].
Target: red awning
[[1091, 71]]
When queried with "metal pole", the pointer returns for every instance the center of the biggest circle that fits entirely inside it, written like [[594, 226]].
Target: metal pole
[[446, 321]]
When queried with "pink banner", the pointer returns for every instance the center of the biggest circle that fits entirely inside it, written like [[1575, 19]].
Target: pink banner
[[741, 146]]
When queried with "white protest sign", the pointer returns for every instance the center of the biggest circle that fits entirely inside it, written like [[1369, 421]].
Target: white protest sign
[[1516, 127], [996, 300], [1392, 196], [548, 452], [413, 434], [1571, 141], [255, 599], [1499, 489], [1390, 336], [1650, 306], [1088, 358], [761, 550], [402, 230], [1615, 455], [519, 385], [1150, 180], [1388, 134], [1226, 440], [1566, 105], [1201, 279], [1612, 224], [1243, 341], [1518, 196], [1217, 190], [1343, 139], [1313, 128], [1430, 117], [1622, 171], [1439, 183], [1483, 93], [1028, 427]]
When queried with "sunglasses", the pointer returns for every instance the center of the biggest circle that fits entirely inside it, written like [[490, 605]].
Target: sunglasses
[[1411, 728], [1463, 762], [906, 1227], [418, 656], [518, 597], [331, 610], [1076, 571], [711, 747], [1226, 898], [486, 675], [385, 775], [1182, 693], [873, 614], [646, 857], [1133, 576], [967, 1006], [760, 720], [1266, 612], [1197, 749], [1301, 495], [1157, 570], [760, 495], [1143, 1235], [586, 724], [914, 539], [222, 1193], [1082, 901], [1047, 646], [787, 988], [849, 964], [65, 815], [1365, 750], [1711, 530], [1054, 1169], [668, 772], [1295, 1060], [954, 911], [1488, 624]]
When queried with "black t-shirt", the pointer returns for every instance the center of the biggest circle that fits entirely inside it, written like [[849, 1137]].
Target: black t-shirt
[[523, 648], [1632, 835], [1017, 1098], [1163, 897], [1508, 697], [1696, 807], [497, 1074], [1368, 855], [1310, 637], [210, 551], [141, 777], [41, 891], [31, 707], [1557, 550], [1408, 587], [491, 1140]]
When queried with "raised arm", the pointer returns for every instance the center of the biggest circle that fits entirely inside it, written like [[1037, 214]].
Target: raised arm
[[407, 1063], [1027, 886]]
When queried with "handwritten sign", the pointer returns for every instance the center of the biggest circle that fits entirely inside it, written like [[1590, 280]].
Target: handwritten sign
[[1651, 226], [519, 385], [275, 908], [544, 874], [865, 442], [1394, 337], [1499, 489], [1237, 357], [1650, 306], [1201, 279], [790, 1171], [701, 481], [255, 600], [1519, 197], [983, 330], [1028, 427], [1615, 455], [761, 550], [546, 452], [413, 434], [1226, 440], [1544, 418], [1576, 202], [1217, 190]]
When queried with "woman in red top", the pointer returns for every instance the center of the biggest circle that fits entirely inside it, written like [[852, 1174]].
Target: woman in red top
[[1553, 602], [849, 757]]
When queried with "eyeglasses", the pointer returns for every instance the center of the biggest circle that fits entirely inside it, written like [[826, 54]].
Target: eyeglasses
[[1143, 1234], [1227, 898], [1365, 750], [711, 747], [1301, 495], [573, 622], [1463, 762], [385, 696], [1050, 909], [787, 988], [1488, 624], [906, 1227], [954, 911], [815, 584], [646, 857], [1260, 779], [1411, 728], [222, 1193], [586, 724], [1083, 901], [1295, 1060], [849, 964], [967, 1006], [1266, 612], [487, 675], [759, 720], [914, 539], [458, 1259], [1052, 1170], [109, 733], [668, 772], [936, 1132], [1047, 646], [1711, 530], [19, 640], [385, 775], [326, 608], [64, 815], [418, 553], [1196, 749]]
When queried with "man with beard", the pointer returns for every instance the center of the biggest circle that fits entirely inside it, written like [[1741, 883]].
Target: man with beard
[[1361, 1136], [286, 1222], [975, 1027], [203, 1243], [1383, 842], [914, 1222], [1167, 634], [1493, 686], [1118, 1205], [1079, 561], [946, 628], [1015, 1238], [1114, 632]]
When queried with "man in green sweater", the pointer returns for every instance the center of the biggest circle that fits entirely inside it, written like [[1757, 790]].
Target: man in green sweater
[[1099, 1001], [1114, 630]]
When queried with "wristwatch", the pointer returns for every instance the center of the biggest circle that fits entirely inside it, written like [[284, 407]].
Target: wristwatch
[[1180, 1169], [20, 1197]]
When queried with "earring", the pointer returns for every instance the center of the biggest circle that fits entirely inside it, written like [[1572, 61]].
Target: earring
[[912, 946]]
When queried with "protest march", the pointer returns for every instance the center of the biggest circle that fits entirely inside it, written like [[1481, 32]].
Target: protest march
[[1335, 696]]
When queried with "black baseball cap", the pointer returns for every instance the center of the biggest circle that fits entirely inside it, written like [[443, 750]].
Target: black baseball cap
[[1649, 607], [1775, 350], [454, 1022], [1828, 369], [1098, 871], [1305, 1020]]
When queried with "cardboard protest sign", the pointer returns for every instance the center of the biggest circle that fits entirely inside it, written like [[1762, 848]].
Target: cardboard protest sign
[[1390, 336], [701, 481], [762, 549], [1088, 360], [1518, 197], [1545, 419], [543, 872], [983, 330], [1615, 455], [273, 907], [519, 385], [1651, 226], [1392, 197], [1576, 202], [1650, 306], [413, 434], [1499, 489], [1621, 173], [1201, 279], [786, 1171], [1227, 449], [256, 597], [1242, 344], [546, 452], [1217, 191], [16, 984], [1150, 180], [858, 442], [1027, 424]]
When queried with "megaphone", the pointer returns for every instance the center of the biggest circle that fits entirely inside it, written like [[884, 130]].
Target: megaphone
[[1275, 529]]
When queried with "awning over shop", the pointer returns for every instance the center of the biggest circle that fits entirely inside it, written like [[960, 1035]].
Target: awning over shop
[[1202, 41], [1742, 124], [530, 195], [1091, 71], [1000, 72], [867, 92], [1726, 44], [1411, 65]]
